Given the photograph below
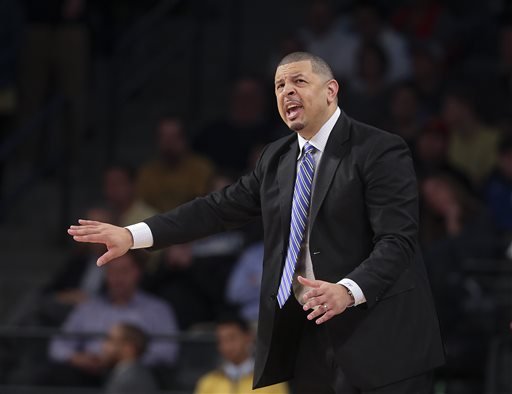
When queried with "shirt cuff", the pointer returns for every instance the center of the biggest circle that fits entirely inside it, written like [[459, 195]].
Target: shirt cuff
[[141, 234], [358, 294]]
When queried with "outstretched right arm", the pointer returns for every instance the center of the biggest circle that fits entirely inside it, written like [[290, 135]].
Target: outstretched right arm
[[229, 208]]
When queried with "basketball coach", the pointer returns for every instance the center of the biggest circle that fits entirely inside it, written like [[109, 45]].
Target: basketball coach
[[345, 303]]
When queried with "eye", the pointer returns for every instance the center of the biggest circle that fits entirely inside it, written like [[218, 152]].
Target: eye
[[279, 86]]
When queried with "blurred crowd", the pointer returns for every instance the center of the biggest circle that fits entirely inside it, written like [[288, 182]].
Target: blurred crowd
[[437, 73]]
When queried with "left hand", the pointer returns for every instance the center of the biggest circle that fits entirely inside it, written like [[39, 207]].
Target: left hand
[[327, 299]]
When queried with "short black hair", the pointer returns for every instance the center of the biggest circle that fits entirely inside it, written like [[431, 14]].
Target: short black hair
[[124, 167], [231, 316], [136, 336], [318, 64]]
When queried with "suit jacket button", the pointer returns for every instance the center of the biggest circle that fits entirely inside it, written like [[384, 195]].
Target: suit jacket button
[[273, 296]]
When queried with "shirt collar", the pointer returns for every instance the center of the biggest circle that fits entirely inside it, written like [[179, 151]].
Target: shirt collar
[[319, 140], [235, 372]]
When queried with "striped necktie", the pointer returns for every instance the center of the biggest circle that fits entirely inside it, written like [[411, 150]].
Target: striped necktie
[[299, 220]]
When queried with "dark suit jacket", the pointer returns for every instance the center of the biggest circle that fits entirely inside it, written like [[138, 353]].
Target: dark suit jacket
[[364, 224]]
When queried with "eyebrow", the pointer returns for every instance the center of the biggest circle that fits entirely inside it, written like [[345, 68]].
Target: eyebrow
[[297, 75]]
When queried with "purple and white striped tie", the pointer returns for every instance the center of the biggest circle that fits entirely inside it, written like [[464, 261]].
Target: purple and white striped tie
[[299, 220]]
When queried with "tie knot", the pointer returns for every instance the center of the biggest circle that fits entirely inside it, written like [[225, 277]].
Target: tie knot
[[308, 148]]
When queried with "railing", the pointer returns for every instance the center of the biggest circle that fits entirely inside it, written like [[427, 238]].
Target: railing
[[38, 332], [197, 356]]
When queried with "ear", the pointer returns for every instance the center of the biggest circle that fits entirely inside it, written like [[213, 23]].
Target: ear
[[332, 91]]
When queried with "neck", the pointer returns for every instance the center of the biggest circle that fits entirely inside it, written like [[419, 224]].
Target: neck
[[307, 134]]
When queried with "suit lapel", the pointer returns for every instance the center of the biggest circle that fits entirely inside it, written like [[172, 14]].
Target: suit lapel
[[286, 178], [335, 150]]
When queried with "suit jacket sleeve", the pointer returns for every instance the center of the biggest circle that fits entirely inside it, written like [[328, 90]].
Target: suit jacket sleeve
[[392, 208], [219, 211]]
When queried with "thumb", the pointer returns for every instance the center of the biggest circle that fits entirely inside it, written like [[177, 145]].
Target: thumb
[[109, 255], [308, 282]]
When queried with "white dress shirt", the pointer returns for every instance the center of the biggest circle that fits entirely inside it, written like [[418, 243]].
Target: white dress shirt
[[143, 238], [305, 264]]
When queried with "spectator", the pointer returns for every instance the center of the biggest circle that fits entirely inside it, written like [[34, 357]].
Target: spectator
[[427, 76], [194, 287], [458, 234], [473, 145], [286, 44], [370, 26], [243, 288], [447, 208], [500, 95], [177, 175], [322, 37], [79, 279], [123, 349], [123, 302], [367, 96], [235, 342], [431, 154], [228, 244], [405, 118], [119, 191], [245, 126], [498, 189]]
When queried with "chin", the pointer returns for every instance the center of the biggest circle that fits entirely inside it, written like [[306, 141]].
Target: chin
[[296, 126]]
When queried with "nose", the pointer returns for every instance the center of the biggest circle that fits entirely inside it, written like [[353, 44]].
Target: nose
[[289, 90]]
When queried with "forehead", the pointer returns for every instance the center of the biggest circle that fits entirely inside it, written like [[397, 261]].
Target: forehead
[[286, 70]]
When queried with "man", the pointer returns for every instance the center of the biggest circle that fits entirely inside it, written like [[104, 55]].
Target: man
[[352, 258], [123, 349], [77, 281], [235, 341], [177, 175], [123, 302], [119, 191], [244, 126]]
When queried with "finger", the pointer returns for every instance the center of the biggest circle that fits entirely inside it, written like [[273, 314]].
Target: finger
[[311, 294], [309, 282], [92, 238], [316, 312], [313, 302], [84, 230], [325, 317], [89, 222], [109, 255]]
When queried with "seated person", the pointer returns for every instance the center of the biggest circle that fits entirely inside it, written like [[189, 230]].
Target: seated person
[[235, 342], [123, 349], [193, 286], [77, 281], [177, 174], [123, 302], [119, 191], [243, 287]]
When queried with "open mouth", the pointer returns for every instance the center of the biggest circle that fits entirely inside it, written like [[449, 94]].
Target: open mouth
[[293, 111]]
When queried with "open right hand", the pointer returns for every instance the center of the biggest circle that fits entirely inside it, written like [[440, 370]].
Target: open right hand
[[118, 240]]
